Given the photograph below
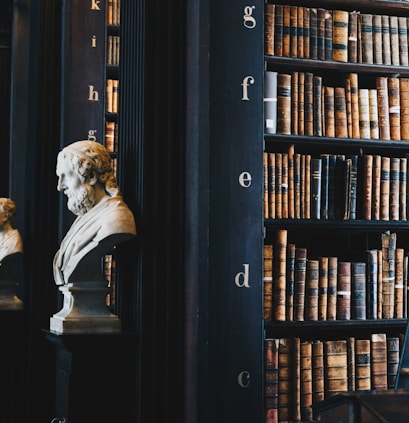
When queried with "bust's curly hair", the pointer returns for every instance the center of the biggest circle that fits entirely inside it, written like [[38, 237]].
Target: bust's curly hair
[[8, 208], [88, 157]]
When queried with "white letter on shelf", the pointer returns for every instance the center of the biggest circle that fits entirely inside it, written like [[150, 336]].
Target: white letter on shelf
[[248, 19], [244, 379], [92, 95], [245, 179], [93, 41], [245, 84], [95, 4], [242, 278], [91, 135]]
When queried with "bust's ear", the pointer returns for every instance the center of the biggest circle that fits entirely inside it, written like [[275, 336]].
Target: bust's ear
[[93, 179]]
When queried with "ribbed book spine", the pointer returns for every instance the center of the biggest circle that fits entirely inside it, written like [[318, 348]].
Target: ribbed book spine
[[394, 108], [388, 274], [306, 380], [271, 186], [294, 102], [271, 380], [373, 113], [344, 291], [311, 290], [340, 36], [293, 31], [329, 111], [364, 123], [324, 185], [362, 364], [290, 282], [377, 39], [383, 107], [301, 106], [394, 36], [376, 186], [394, 188], [353, 78], [284, 103], [284, 186], [385, 188], [268, 282], [286, 30], [367, 185], [323, 288], [328, 34], [403, 41], [285, 379], [404, 107], [341, 128], [358, 290], [279, 286], [306, 25], [379, 361], [300, 32], [392, 360], [317, 105], [278, 183], [269, 29], [402, 188], [372, 284], [278, 30], [313, 33], [351, 363], [299, 282], [398, 310], [321, 33], [296, 382], [386, 41], [353, 37], [332, 288], [336, 367], [367, 38], [318, 388], [308, 104], [316, 168]]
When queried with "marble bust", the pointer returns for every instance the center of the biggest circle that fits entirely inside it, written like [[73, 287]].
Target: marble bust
[[11, 250], [85, 176]]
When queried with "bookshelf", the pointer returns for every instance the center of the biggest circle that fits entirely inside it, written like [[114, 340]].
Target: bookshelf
[[317, 106]]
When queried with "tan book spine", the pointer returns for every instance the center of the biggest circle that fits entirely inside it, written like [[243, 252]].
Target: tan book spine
[[373, 113], [307, 199], [308, 104], [294, 103], [284, 103], [380, 284], [293, 31], [404, 107], [367, 38], [311, 290], [363, 101], [280, 282], [284, 186], [383, 107], [348, 104], [385, 188], [268, 282], [110, 12], [306, 25], [329, 111], [353, 78], [286, 30], [379, 361], [394, 37], [392, 360], [318, 388], [377, 39], [271, 380], [336, 367], [399, 256], [403, 40], [394, 107], [362, 364], [388, 274], [340, 36], [332, 288], [353, 37], [394, 188], [296, 409], [271, 186], [285, 379], [323, 288], [297, 186], [278, 30], [367, 184], [278, 184], [291, 186], [306, 380], [344, 291], [301, 107], [110, 136], [341, 128], [115, 95], [386, 41], [299, 282], [265, 185], [376, 186], [300, 32], [109, 95], [109, 58], [403, 187], [269, 22]]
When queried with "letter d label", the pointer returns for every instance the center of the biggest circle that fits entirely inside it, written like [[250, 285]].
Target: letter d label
[[242, 278]]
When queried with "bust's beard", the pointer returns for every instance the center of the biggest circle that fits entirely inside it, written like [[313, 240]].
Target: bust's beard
[[81, 201]]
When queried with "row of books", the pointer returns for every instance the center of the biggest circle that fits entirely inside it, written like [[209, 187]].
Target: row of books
[[114, 12], [299, 103], [335, 186], [300, 373], [301, 288], [111, 136], [338, 35], [112, 94], [113, 50]]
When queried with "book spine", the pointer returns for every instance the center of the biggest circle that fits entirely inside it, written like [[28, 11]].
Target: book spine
[[328, 35], [348, 103], [372, 284], [271, 186], [392, 360], [284, 103], [300, 32], [367, 184], [269, 28], [336, 367], [265, 185], [324, 185], [388, 274], [323, 288], [271, 380], [316, 168], [307, 190], [306, 380], [344, 291], [394, 37], [367, 38], [301, 106], [317, 105], [321, 12], [270, 102], [313, 33], [293, 31], [332, 288], [268, 282], [376, 186], [290, 282], [373, 113], [403, 41], [402, 187], [278, 183], [404, 107], [297, 186], [284, 186], [353, 78], [291, 187], [353, 37], [394, 188], [311, 290], [379, 361], [279, 287], [285, 378], [353, 186], [286, 30], [383, 107], [377, 39], [362, 364], [341, 128], [309, 104], [340, 36], [296, 385], [278, 30], [380, 283], [318, 388], [385, 188], [294, 102], [364, 125], [299, 282], [329, 111], [394, 108], [358, 290], [398, 308], [306, 26], [386, 41], [351, 363]]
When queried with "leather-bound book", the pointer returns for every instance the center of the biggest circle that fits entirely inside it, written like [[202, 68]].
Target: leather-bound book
[[379, 370], [336, 367], [344, 291], [362, 364]]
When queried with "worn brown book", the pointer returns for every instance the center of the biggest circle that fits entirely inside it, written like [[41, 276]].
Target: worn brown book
[[285, 379], [403, 187], [353, 78], [328, 34], [317, 105], [278, 184], [344, 291], [308, 104], [386, 41], [297, 185], [376, 186], [323, 288], [364, 123], [284, 103], [265, 185], [271, 380], [278, 30], [367, 186], [271, 186], [115, 95], [388, 274], [348, 104], [284, 186], [392, 359], [373, 113], [321, 33], [286, 30], [306, 380], [341, 128], [109, 95], [399, 257], [336, 367], [394, 188], [385, 188], [318, 387], [362, 364], [329, 111], [301, 107], [366, 38], [380, 283], [358, 290], [394, 36], [290, 272], [280, 266], [110, 136], [394, 107], [299, 282], [404, 107], [268, 282], [340, 36], [377, 39], [332, 288], [351, 363], [306, 26], [379, 371], [383, 108], [311, 290], [294, 102], [353, 37], [269, 28], [291, 182], [300, 32], [313, 33], [296, 382], [403, 40]]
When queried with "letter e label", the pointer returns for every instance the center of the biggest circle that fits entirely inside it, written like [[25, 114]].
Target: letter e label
[[245, 179]]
